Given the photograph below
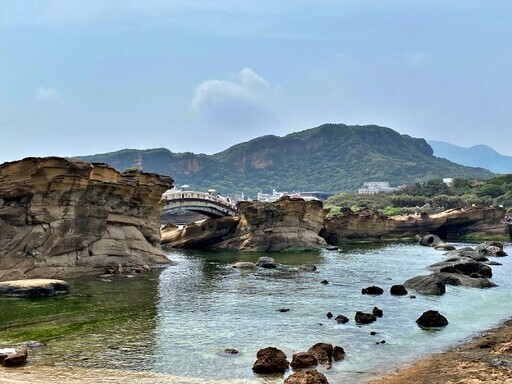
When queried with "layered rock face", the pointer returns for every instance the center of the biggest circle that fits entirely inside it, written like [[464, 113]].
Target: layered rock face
[[62, 217], [287, 223], [482, 222]]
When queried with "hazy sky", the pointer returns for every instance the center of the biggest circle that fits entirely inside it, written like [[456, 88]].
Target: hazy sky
[[87, 77]]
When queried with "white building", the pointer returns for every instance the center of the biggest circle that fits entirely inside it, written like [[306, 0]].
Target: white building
[[374, 187]]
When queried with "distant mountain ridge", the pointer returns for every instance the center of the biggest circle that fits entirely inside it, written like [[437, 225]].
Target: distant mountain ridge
[[475, 156], [331, 158]]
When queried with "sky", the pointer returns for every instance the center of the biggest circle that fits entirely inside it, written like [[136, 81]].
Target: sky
[[83, 77]]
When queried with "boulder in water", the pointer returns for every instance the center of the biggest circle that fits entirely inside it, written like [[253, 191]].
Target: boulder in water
[[306, 377], [431, 319], [270, 360]]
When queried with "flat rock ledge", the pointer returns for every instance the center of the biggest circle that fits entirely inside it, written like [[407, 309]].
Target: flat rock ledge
[[33, 288]]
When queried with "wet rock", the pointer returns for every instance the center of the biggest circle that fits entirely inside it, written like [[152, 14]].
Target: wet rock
[[230, 351], [33, 288], [340, 319], [322, 352], [464, 266], [398, 290], [303, 360], [364, 318], [283, 310], [306, 377], [338, 353], [431, 319], [11, 357], [270, 360], [373, 290], [377, 312], [466, 252], [244, 265], [329, 315], [266, 262], [491, 248], [466, 281], [426, 285], [324, 282], [308, 268]]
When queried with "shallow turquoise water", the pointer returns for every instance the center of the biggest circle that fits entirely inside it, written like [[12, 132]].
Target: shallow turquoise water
[[178, 320]]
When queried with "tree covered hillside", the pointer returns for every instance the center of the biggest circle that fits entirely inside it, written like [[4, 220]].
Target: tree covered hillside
[[331, 158]]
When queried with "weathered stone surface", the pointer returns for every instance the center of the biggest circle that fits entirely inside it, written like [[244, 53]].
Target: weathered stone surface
[[244, 265], [303, 360], [464, 266], [364, 318], [466, 252], [431, 319], [483, 222], [270, 360], [373, 290], [266, 262], [377, 312], [434, 241], [398, 290], [13, 358], [466, 281], [60, 217], [340, 319], [491, 248], [338, 353], [285, 224], [306, 377], [33, 288], [427, 285], [322, 352]]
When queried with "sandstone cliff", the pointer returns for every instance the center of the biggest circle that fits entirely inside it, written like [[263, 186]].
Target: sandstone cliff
[[63, 217], [451, 224], [285, 224]]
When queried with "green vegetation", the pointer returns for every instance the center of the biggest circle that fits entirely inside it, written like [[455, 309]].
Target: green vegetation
[[331, 158], [432, 195]]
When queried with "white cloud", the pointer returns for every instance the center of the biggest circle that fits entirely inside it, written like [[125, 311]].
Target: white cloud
[[45, 94], [245, 100]]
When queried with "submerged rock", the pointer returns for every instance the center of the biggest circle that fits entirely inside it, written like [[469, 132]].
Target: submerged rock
[[306, 377], [33, 288], [373, 290], [365, 318], [266, 262]]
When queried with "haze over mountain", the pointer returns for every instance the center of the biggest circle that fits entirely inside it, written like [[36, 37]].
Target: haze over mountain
[[331, 158], [475, 156]]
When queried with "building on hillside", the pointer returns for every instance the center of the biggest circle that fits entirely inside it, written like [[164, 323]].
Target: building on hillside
[[374, 187], [448, 181]]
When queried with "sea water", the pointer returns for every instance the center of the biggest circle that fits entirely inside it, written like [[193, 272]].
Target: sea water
[[178, 321]]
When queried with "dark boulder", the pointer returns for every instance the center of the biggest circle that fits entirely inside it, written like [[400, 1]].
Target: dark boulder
[[377, 312], [491, 248], [266, 262], [330, 315], [427, 285], [270, 360], [308, 268], [431, 319], [338, 353], [306, 377], [340, 319], [303, 360], [398, 290], [364, 318], [373, 290], [434, 241], [464, 266], [466, 252], [322, 352]]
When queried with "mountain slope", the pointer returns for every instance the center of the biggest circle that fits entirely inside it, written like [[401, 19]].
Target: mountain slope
[[476, 156], [331, 158]]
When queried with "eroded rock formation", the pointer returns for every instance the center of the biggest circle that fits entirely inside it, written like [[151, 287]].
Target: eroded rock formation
[[284, 224], [477, 221], [63, 217]]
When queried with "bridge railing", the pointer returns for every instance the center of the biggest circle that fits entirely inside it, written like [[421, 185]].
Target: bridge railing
[[183, 195]]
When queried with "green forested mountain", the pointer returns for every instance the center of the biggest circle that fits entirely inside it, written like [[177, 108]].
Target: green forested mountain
[[331, 158]]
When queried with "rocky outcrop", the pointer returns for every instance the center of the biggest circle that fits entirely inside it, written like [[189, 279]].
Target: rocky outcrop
[[63, 217], [303, 360], [285, 224], [477, 221], [12, 357], [427, 285], [307, 377], [33, 288]]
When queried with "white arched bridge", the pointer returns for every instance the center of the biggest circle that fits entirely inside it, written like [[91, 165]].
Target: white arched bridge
[[178, 202]]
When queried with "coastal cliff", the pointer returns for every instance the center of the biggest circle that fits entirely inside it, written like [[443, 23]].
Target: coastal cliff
[[61, 217], [451, 224], [285, 224]]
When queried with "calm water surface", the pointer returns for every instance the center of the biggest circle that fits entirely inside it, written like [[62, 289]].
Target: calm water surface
[[178, 320]]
